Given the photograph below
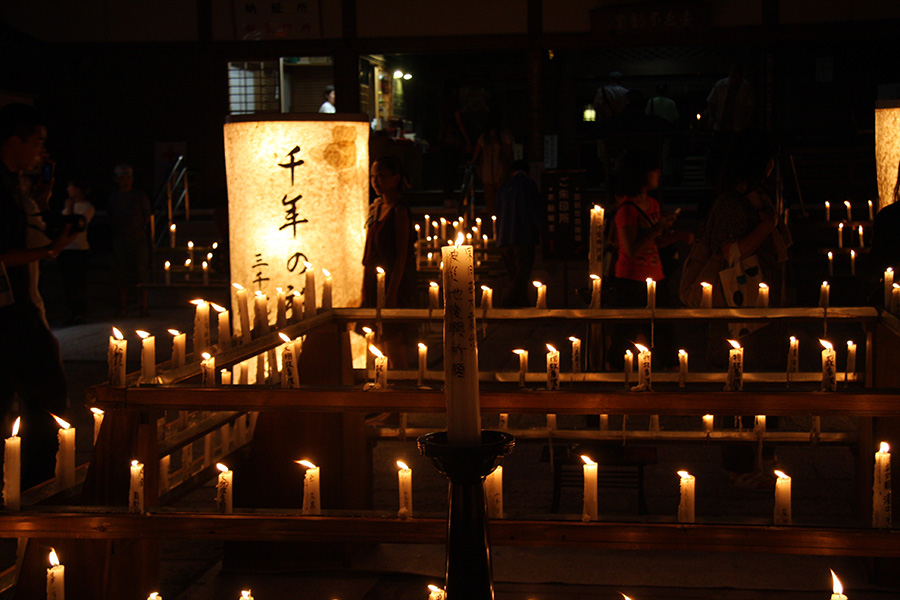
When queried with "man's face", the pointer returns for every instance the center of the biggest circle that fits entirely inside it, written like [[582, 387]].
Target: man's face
[[125, 182]]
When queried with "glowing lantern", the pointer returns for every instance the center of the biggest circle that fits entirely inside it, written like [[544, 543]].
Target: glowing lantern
[[887, 150]]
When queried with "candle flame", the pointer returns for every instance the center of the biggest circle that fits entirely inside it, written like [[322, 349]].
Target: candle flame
[[896, 285], [167, 265], [204, 265], [763, 286], [417, 228], [63, 424], [153, 596], [519, 351], [434, 224], [827, 204], [593, 276], [836, 587], [172, 227], [684, 474], [846, 203], [443, 220], [54, 559], [217, 308], [296, 293], [142, 334], [308, 265], [117, 334], [793, 339], [824, 284], [825, 344], [485, 288], [459, 240], [245, 594], [650, 280], [850, 343], [15, 429], [375, 351], [572, 338], [537, 284], [705, 285], [433, 588], [884, 447], [587, 460], [493, 217], [285, 338], [734, 344], [206, 355], [215, 245], [199, 302], [209, 256], [781, 474], [422, 346], [367, 330], [433, 284], [840, 225], [237, 286], [174, 332], [550, 348], [222, 467], [379, 270], [889, 270], [623, 595], [306, 464], [682, 352], [852, 254], [402, 465], [134, 463], [326, 272], [641, 348], [628, 353], [259, 294]]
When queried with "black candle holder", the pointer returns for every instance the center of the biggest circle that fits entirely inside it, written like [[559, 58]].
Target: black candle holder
[[468, 570]]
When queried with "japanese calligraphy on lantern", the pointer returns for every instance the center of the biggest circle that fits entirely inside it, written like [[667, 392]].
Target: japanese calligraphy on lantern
[[566, 224]]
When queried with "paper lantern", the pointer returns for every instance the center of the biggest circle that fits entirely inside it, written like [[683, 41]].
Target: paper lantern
[[887, 149], [298, 192]]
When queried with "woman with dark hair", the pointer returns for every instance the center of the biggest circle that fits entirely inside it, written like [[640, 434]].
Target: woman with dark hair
[[390, 244]]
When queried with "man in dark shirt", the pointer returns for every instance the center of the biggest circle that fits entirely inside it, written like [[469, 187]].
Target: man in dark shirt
[[30, 364], [518, 231]]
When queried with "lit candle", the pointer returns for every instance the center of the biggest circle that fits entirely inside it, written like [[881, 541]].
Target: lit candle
[[280, 308], [840, 231], [261, 313], [881, 488], [895, 298], [851, 361], [418, 229], [12, 469], [118, 347], [871, 211], [782, 499], [862, 243], [289, 374], [734, 380], [596, 290], [762, 298], [223, 326], [827, 210], [207, 370], [327, 290], [205, 266], [172, 229], [379, 273], [225, 376], [434, 237], [853, 262], [759, 423], [487, 299], [682, 367], [423, 361], [189, 265], [686, 505], [629, 366], [589, 513], [154, 596], [849, 211], [404, 481], [837, 588], [708, 421], [888, 286], [830, 264], [381, 366], [201, 326], [829, 367], [65, 455], [245, 595], [443, 228], [643, 367], [225, 489], [493, 493], [311, 502], [576, 354], [136, 488], [824, 294], [370, 339], [190, 247], [494, 227], [243, 312], [436, 593], [434, 291], [541, 294], [98, 421], [460, 346], [56, 578], [148, 356], [167, 267], [596, 245], [179, 343], [552, 368], [793, 359], [651, 293], [309, 292], [706, 298], [523, 365]]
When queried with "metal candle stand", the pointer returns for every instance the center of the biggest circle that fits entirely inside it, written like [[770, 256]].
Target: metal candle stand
[[468, 573]]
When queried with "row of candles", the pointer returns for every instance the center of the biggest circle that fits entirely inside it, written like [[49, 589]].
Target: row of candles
[[437, 233], [849, 207], [190, 262]]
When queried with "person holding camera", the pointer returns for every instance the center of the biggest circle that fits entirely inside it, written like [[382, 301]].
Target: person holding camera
[[30, 363]]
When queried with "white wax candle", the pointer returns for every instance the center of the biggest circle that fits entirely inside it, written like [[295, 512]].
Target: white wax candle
[[443, 228], [576, 354], [487, 298], [708, 421], [223, 327], [370, 340], [596, 245], [541, 294], [734, 380], [629, 366], [289, 374], [201, 326], [172, 229], [831, 264], [686, 505], [460, 346], [404, 481], [280, 308], [849, 210], [261, 314], [381, 368], [759, 423], [824, 294], [837, 588], [881, 488], [379, 274], [829, 367], [827, 210], [179, 344], [762, 298], [311, 499], [651, 293], [493, 493], [434, 291], [503, 422], [840, 231], [552, 368], [56, 578], [136, 488], [423, 361], [154, 596], [167, 268], [327, 287], [148, 356], [225, 490], [118, 347], [596, 291], [682, 367], [706, 290], [523, 365], [65, 455], [793, 359], [208, 370], [435, 236], [243, 312], [205, 266], [309, 292], [644, 358], [12, 469], [190, 247], [436, 593], [888, 286], [853, 262], [589, 513], [895, 299], [225, 376], [189, 265], [862, 241], [850, 372], [871, 211], [782, 499]]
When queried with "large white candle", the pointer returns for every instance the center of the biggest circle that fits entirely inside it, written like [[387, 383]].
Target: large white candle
[[225, 489], [523, 365], [280, 308], [629, 366], [179, 348], [201, 326], [576, 354], [56, 578], [65, 455], [682, 367], [136, 487], [644, 358], [327, 287], [881, 488], [782, 499], [243, 312], [552, 368], [596, 291], [589, 513], [734, 380], [118, 347], [850, 372], [829, 367], [888, 286], [404, 482], [493, 493], [289, 374], [381, 368], [541, 294], [836, 588], [651, 293], [207, 370], [460, 346], [849, 210], [309, 292], [379, 298], [261, 314], [706, 294], [148, 356], [311, 498], [824, 294], [434, 291], [423, 362], [762, 298], [223, 327], [686, 505], [12, 469]]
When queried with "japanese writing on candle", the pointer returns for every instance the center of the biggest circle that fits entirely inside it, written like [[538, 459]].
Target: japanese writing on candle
[[118, 347], [289, 376], [829, 367], [65, 455], [404, 480], [311, 503], [596, 291], [881, 488], [552, 368], [225, 490], [381, 366], [136, 487], [734, 380]]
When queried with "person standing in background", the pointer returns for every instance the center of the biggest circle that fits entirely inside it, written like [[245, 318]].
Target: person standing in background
[[328, 105], [73, 260], [129, 212], [518, 232]]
